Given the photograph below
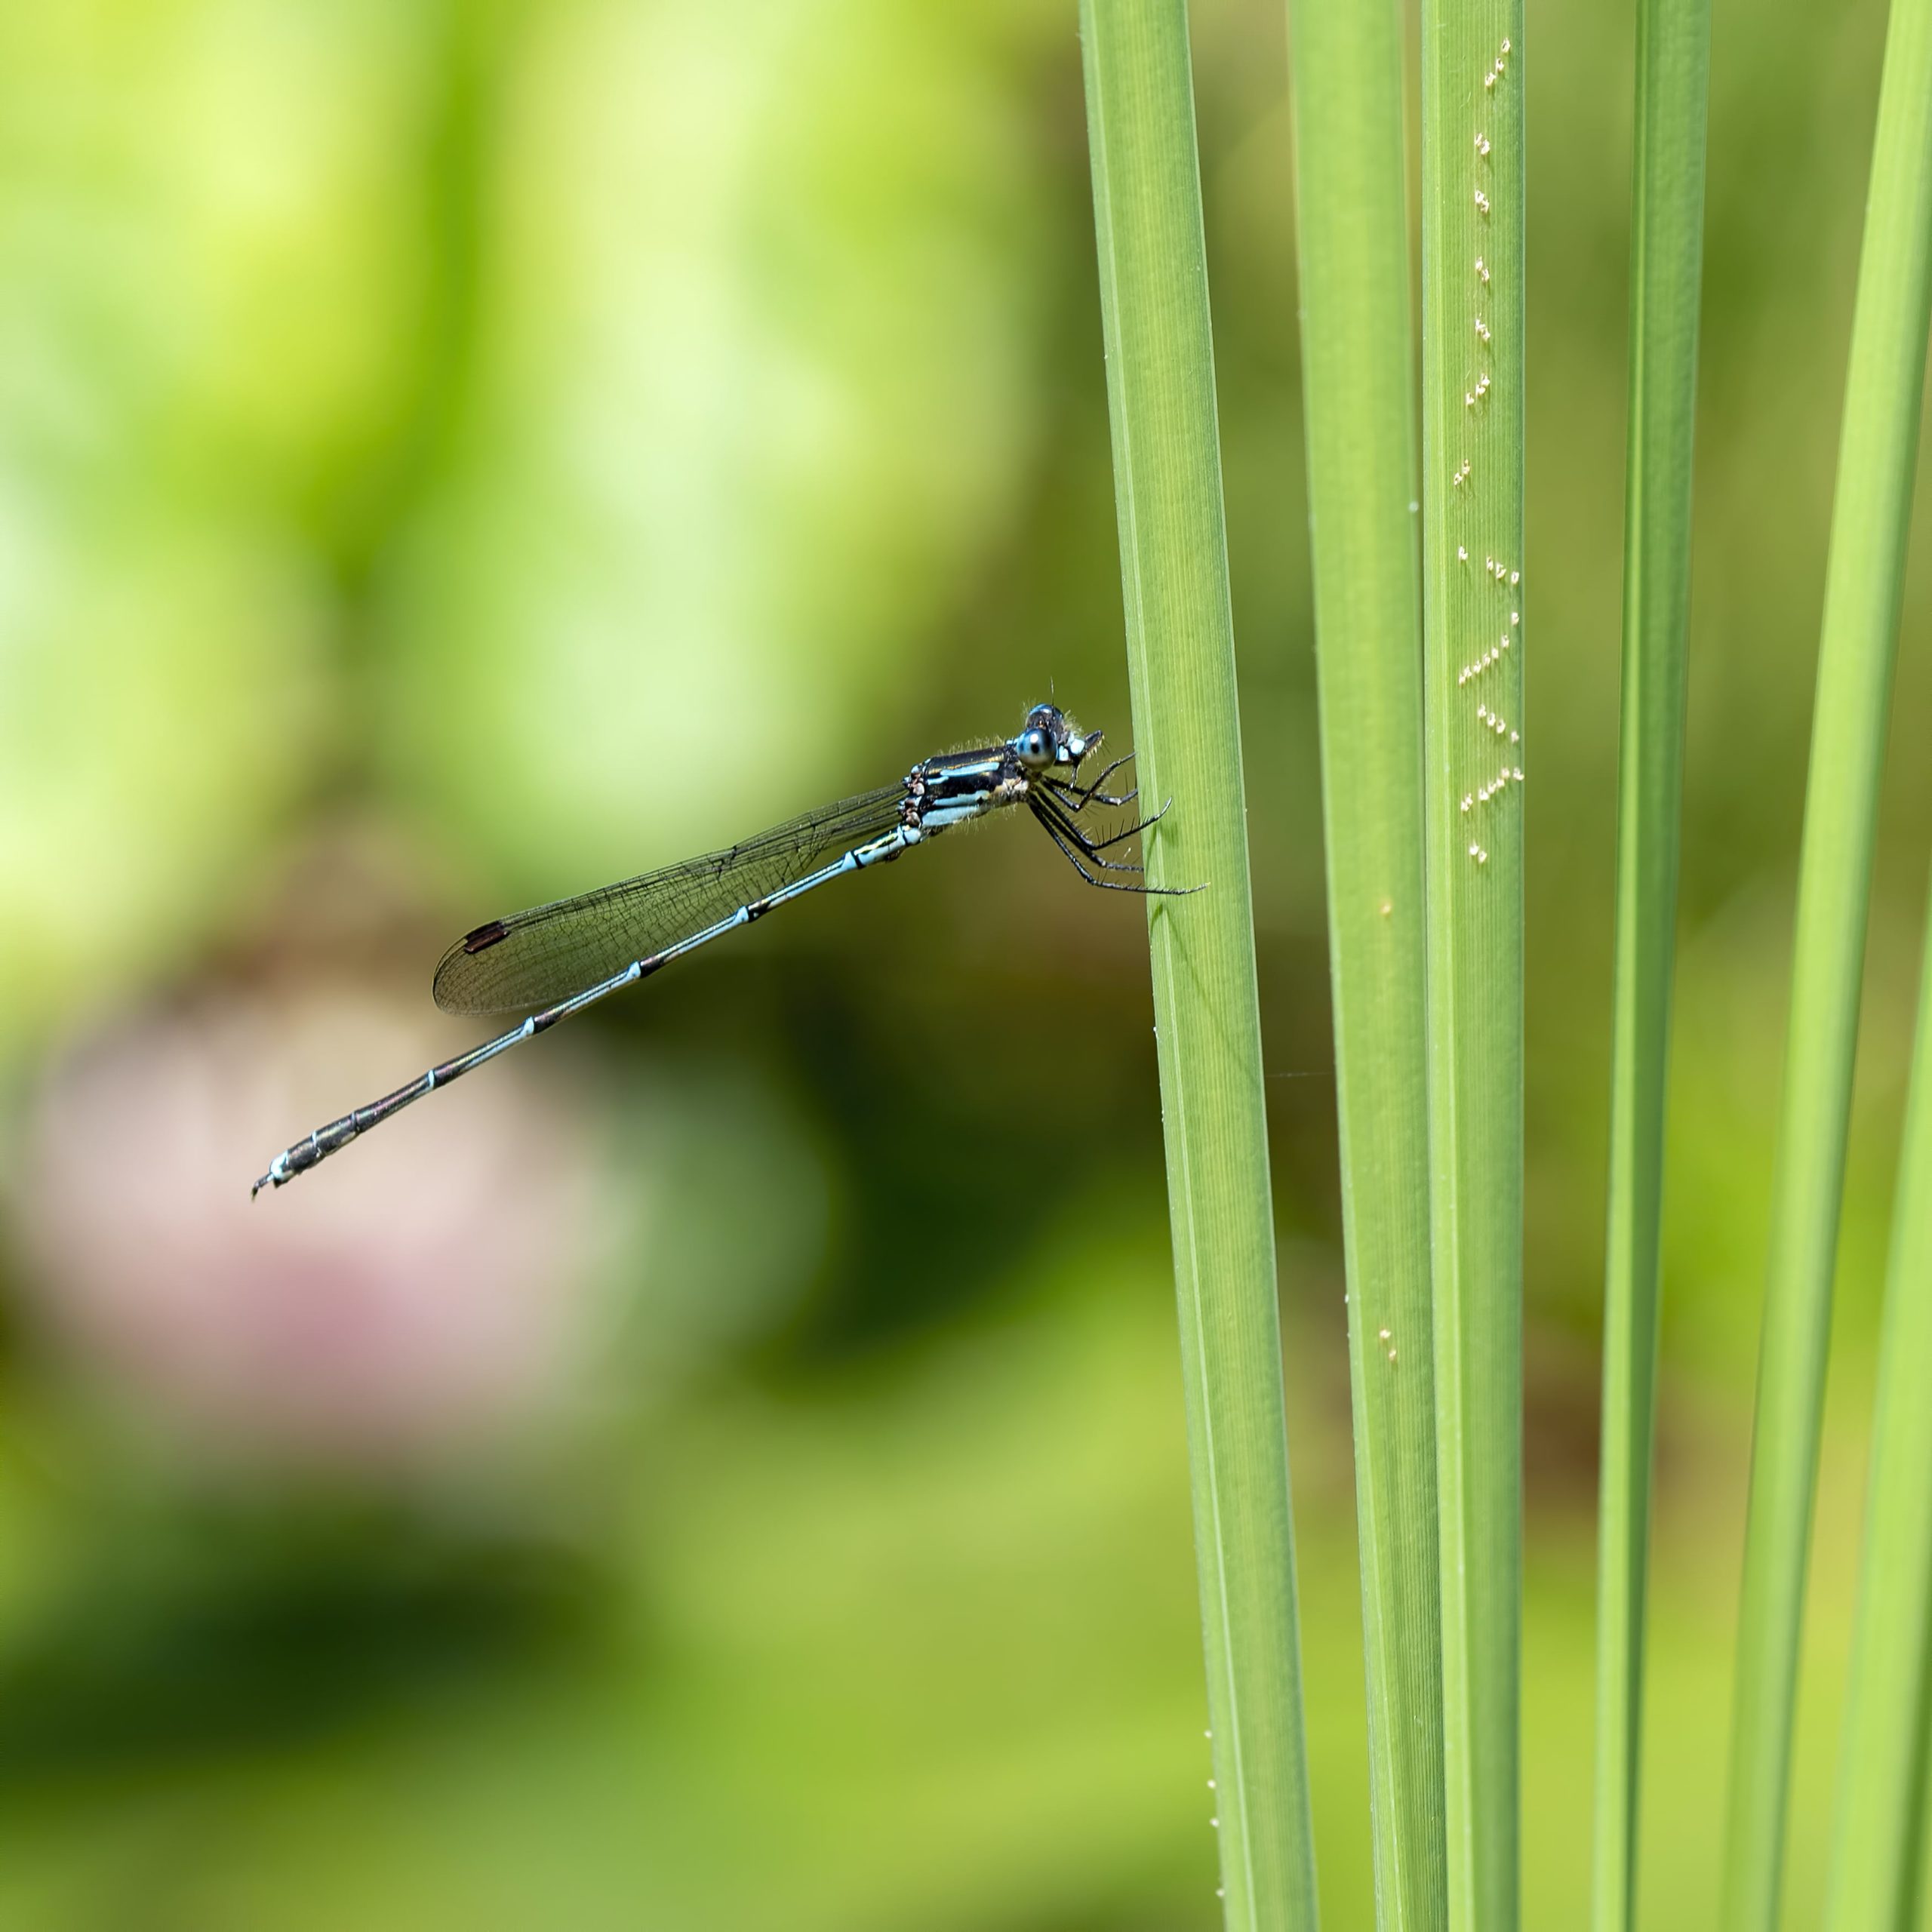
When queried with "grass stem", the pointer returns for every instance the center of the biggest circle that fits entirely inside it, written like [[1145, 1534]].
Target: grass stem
[[1473, 208], [1880, 1794], [1666, 249], [1181, 666], [1870, 514], [1358, 381]]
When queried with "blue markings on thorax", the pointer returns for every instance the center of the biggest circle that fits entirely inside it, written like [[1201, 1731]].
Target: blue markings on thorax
[[937, 817]]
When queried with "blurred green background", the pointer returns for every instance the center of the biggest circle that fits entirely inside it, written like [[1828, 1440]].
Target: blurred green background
[[723, 1468]]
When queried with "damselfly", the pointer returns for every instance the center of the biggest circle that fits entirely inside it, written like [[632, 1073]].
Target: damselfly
[[565, 956]]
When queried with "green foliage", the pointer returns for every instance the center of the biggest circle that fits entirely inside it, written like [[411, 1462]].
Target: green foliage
[[1863, 587], [1666, 252], [1357, 385], [1187, 734]]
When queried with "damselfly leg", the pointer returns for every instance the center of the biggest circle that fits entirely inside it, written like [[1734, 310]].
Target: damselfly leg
[[1078, 797], [1080, 850], [1088, 844]]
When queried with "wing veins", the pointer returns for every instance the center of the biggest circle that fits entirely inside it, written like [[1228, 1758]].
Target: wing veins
[[548, 952]]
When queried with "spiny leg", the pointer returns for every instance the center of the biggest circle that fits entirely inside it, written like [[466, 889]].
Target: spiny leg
[[1092, 794], [1073, 859], [1077, 801], [1093, 848], [1105, 884], [1063, 828], [1135, 830]]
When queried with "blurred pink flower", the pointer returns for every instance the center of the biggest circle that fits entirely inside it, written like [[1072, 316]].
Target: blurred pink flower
[[424, 1290]]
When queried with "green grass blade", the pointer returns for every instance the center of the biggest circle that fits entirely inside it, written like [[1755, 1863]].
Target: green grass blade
[[1879, 1797], [1181, 657], [1876, 454], [1357, 382], [1666, 246], [1472, 503]]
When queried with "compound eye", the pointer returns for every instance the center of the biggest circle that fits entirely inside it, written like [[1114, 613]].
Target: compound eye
[[1036, 749]]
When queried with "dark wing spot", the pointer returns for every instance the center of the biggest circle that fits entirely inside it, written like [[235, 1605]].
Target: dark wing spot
[[484, 935]]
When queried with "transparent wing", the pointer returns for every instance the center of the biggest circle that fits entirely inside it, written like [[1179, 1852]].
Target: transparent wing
[[536, 957]]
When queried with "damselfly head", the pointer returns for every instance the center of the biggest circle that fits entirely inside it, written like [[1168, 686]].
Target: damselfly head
[[1050, 739]]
